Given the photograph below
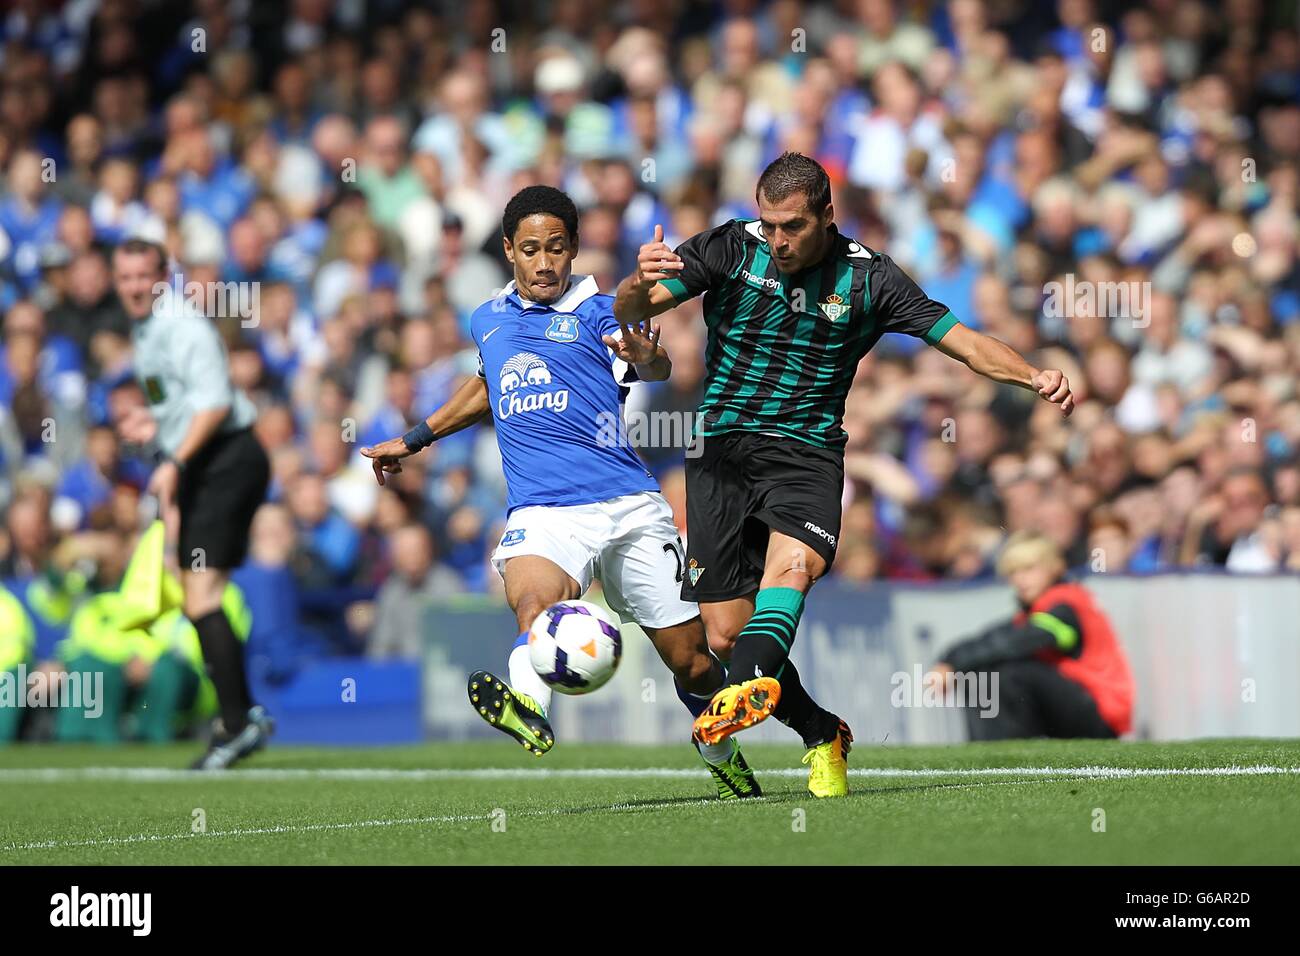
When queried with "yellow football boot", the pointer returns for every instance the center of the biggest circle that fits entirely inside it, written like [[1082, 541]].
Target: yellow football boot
[[828, 770]]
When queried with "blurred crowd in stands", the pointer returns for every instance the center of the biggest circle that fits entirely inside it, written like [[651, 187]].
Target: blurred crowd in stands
[[1110, 188]]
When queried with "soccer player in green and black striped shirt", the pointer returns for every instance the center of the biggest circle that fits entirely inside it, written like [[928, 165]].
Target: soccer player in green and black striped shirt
[[791, 307]]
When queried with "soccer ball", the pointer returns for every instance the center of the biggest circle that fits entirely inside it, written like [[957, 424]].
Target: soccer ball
[[574, 647]]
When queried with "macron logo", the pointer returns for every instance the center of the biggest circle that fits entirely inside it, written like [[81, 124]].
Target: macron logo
[[820, 532], [765, 282], [103, 909]]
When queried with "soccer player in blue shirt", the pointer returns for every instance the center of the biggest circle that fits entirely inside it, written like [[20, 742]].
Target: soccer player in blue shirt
[[554, 368]]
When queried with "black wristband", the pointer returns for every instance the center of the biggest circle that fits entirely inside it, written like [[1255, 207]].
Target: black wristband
[[421, 436]]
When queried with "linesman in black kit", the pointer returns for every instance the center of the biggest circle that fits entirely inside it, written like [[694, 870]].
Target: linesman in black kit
[[213, 471]]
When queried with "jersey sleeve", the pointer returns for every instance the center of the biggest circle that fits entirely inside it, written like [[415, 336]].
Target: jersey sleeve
[[481, 372], [900, 306], [709, 258]]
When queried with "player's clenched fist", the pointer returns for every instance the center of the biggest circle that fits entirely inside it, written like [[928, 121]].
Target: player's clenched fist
[[1052, 384], [655, 261]]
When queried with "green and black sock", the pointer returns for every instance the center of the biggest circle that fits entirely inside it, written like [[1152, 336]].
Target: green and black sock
[[798, 711], [763, 649], [763, 646]]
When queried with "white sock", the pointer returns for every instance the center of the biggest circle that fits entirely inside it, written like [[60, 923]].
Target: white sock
[[526, 680], [719, 753]]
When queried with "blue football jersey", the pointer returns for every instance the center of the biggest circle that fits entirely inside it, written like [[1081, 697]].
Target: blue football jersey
[[557, 392]]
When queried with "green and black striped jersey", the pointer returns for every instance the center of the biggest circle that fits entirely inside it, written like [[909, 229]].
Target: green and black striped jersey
[[783, 349]]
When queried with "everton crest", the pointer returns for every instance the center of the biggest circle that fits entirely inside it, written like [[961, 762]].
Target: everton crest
[[563, 328]]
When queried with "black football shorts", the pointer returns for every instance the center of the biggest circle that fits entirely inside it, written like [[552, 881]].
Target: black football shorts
[[220, 490], [739, 486]]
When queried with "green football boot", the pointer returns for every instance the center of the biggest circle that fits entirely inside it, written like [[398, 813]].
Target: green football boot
[[510, 712], [734, 779]]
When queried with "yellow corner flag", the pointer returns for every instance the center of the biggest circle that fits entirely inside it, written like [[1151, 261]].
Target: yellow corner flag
[[148, 589]]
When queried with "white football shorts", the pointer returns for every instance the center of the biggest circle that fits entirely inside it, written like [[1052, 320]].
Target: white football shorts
[[630, 543]]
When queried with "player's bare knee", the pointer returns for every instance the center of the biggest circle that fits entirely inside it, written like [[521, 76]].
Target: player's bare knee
[[722, 642], [722, 629]]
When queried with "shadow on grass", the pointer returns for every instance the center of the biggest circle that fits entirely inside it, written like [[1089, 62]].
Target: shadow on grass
[[774, 797]]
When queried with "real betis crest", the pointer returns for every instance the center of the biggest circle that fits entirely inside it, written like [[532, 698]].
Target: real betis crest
[[693, 571], [834, 307]]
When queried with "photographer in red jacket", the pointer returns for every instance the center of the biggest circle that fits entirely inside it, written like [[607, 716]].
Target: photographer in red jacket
[[1061, 670]]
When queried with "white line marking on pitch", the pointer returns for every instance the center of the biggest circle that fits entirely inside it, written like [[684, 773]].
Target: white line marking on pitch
[[347, 825], [281, 774], [153, 774], [419, 821]]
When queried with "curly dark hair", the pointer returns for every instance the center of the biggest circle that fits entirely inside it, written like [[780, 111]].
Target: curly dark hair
[[544, 200]]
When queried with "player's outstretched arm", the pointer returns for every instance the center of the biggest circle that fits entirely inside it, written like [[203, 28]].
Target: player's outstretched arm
[[640, 297], [469, 404], [1001, 363]]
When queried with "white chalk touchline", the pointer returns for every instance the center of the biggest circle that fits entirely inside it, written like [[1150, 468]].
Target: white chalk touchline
[[1035, 775], [419, 821], [281, 774], [350, 825]]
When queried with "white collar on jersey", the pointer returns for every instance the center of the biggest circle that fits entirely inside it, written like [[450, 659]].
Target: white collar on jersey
[[856, 249], [581, 288]]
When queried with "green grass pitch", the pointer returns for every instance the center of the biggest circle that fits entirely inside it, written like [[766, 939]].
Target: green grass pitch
[[1198, 802]]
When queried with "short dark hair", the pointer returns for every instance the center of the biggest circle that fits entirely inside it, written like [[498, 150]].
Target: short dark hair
[[792, 173], [539, 200], [134, 247]]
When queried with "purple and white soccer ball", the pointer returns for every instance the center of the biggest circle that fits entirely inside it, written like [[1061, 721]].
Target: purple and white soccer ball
[[574, 646]]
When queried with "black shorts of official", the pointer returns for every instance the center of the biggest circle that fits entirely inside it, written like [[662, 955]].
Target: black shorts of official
[[739, 486], [220, 490]]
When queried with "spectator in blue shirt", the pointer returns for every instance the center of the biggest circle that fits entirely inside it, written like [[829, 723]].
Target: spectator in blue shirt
[[278, 644], [396, 414], [29, 217], [213, 186], [88, 484]]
